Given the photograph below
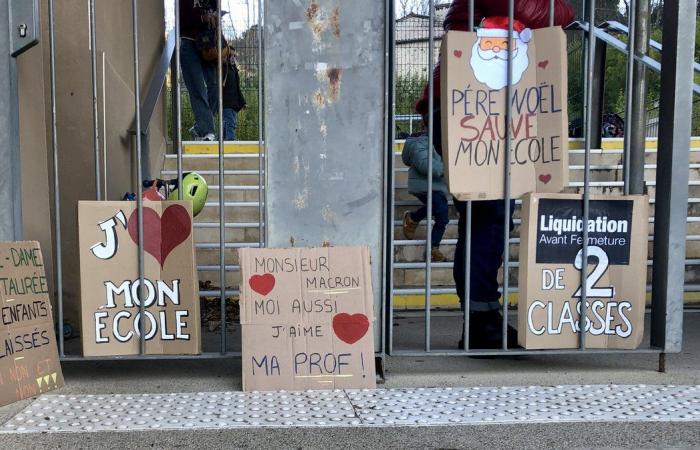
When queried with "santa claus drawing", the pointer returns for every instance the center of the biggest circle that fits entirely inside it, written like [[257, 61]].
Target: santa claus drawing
[[490, 54]]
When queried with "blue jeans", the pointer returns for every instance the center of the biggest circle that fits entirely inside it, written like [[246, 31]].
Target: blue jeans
[[200, 80], [229, 124], [440, 213], [487, 246]]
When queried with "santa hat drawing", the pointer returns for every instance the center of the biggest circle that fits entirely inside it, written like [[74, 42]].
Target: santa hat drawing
[[498, 27]]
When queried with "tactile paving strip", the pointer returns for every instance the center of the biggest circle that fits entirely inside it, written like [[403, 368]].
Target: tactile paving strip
[[407, 407], [527, 404]]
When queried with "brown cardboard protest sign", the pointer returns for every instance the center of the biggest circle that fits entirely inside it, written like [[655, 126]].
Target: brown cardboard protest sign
[[473, 113], [109, 279], [306, 317], [550, 271], [29, 363]]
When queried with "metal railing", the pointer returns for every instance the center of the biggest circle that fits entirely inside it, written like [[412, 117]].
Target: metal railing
[[671, 194], [671, 185]]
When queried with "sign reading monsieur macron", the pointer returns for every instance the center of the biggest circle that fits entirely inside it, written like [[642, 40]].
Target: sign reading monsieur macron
[[306, 316], [551, 261]]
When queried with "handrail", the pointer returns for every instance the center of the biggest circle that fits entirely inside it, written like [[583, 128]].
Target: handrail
[[622, 46], [617, 26], [155, 84]]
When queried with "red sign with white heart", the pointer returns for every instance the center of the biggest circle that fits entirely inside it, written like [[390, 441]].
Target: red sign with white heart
[[306, 318], [111, 290]]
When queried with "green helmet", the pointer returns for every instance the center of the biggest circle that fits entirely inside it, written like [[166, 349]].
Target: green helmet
[[195, 189]]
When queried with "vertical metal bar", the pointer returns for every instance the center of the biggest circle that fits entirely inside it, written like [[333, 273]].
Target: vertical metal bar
[[104, 126], [468, 238], [261, 150], [222, 203], [139, 172], [629, 86], [178, 101], [590, 57], [56, 185], [672, 175], [636, 126], [95, 119], [506, 187], [598, 93], [390, 173], [429, 205], [388, 223], [551, 13]]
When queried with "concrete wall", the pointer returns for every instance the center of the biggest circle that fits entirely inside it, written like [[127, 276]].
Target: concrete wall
[[74, 119]]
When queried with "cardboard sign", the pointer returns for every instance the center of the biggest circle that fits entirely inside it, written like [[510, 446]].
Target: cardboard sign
[[550, 271], [473, 110], [29, 359], [109, 279], [306, 317]]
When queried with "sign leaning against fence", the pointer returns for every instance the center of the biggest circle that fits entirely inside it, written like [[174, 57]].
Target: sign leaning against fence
[[29, 359], [306, 318], [473, 110], [551, 260], [109, 279]]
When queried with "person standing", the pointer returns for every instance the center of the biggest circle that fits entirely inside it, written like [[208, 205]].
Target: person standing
[[233, 98], [488, 217], [197, 19]]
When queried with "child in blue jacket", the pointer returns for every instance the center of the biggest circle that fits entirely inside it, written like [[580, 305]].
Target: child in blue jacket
[[415, 155]]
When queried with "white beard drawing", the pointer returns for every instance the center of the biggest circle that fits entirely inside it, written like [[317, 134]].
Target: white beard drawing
[[491, 68]]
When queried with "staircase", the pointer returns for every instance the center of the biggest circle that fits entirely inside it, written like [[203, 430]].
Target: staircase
[[242, 218]]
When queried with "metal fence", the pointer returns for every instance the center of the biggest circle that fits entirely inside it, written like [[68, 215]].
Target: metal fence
[[408, 76]]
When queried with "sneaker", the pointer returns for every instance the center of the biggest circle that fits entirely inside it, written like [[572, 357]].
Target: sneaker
[[409, 226], [209, 137], [436, 255]]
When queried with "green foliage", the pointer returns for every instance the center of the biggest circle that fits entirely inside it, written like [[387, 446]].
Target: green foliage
[[408, 90]]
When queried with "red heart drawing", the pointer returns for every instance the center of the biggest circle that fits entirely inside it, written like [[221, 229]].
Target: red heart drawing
[[545, 178], [350, 328], [262, 284], [543, 64], [458, 53], [161, 235]]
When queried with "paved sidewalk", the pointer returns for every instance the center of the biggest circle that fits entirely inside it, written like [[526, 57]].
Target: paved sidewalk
[[213, 377]]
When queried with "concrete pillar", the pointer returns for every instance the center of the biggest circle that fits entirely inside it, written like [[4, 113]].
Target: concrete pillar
[[324, 72]]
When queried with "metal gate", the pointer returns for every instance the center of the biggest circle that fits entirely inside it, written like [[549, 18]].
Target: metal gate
[[671, 184], [672, 180]]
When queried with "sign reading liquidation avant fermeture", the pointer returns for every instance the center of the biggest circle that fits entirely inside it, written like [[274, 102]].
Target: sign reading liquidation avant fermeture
[[28, 357], [551, 261]]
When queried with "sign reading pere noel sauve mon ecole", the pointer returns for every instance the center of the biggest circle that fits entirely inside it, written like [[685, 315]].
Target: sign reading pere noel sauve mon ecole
[[29, 363], [473, 110], [111, 294], [551, 264], [306, 318]]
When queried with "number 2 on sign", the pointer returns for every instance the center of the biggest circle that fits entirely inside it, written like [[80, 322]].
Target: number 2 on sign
[[599, 270]]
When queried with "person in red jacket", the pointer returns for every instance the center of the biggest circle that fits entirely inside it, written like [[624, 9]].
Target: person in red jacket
[[488, 217]]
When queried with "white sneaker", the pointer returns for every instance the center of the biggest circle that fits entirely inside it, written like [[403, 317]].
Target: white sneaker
[[209, 137]]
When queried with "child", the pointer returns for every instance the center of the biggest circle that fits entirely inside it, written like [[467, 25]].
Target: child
[[415, 155], [232, 95]]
